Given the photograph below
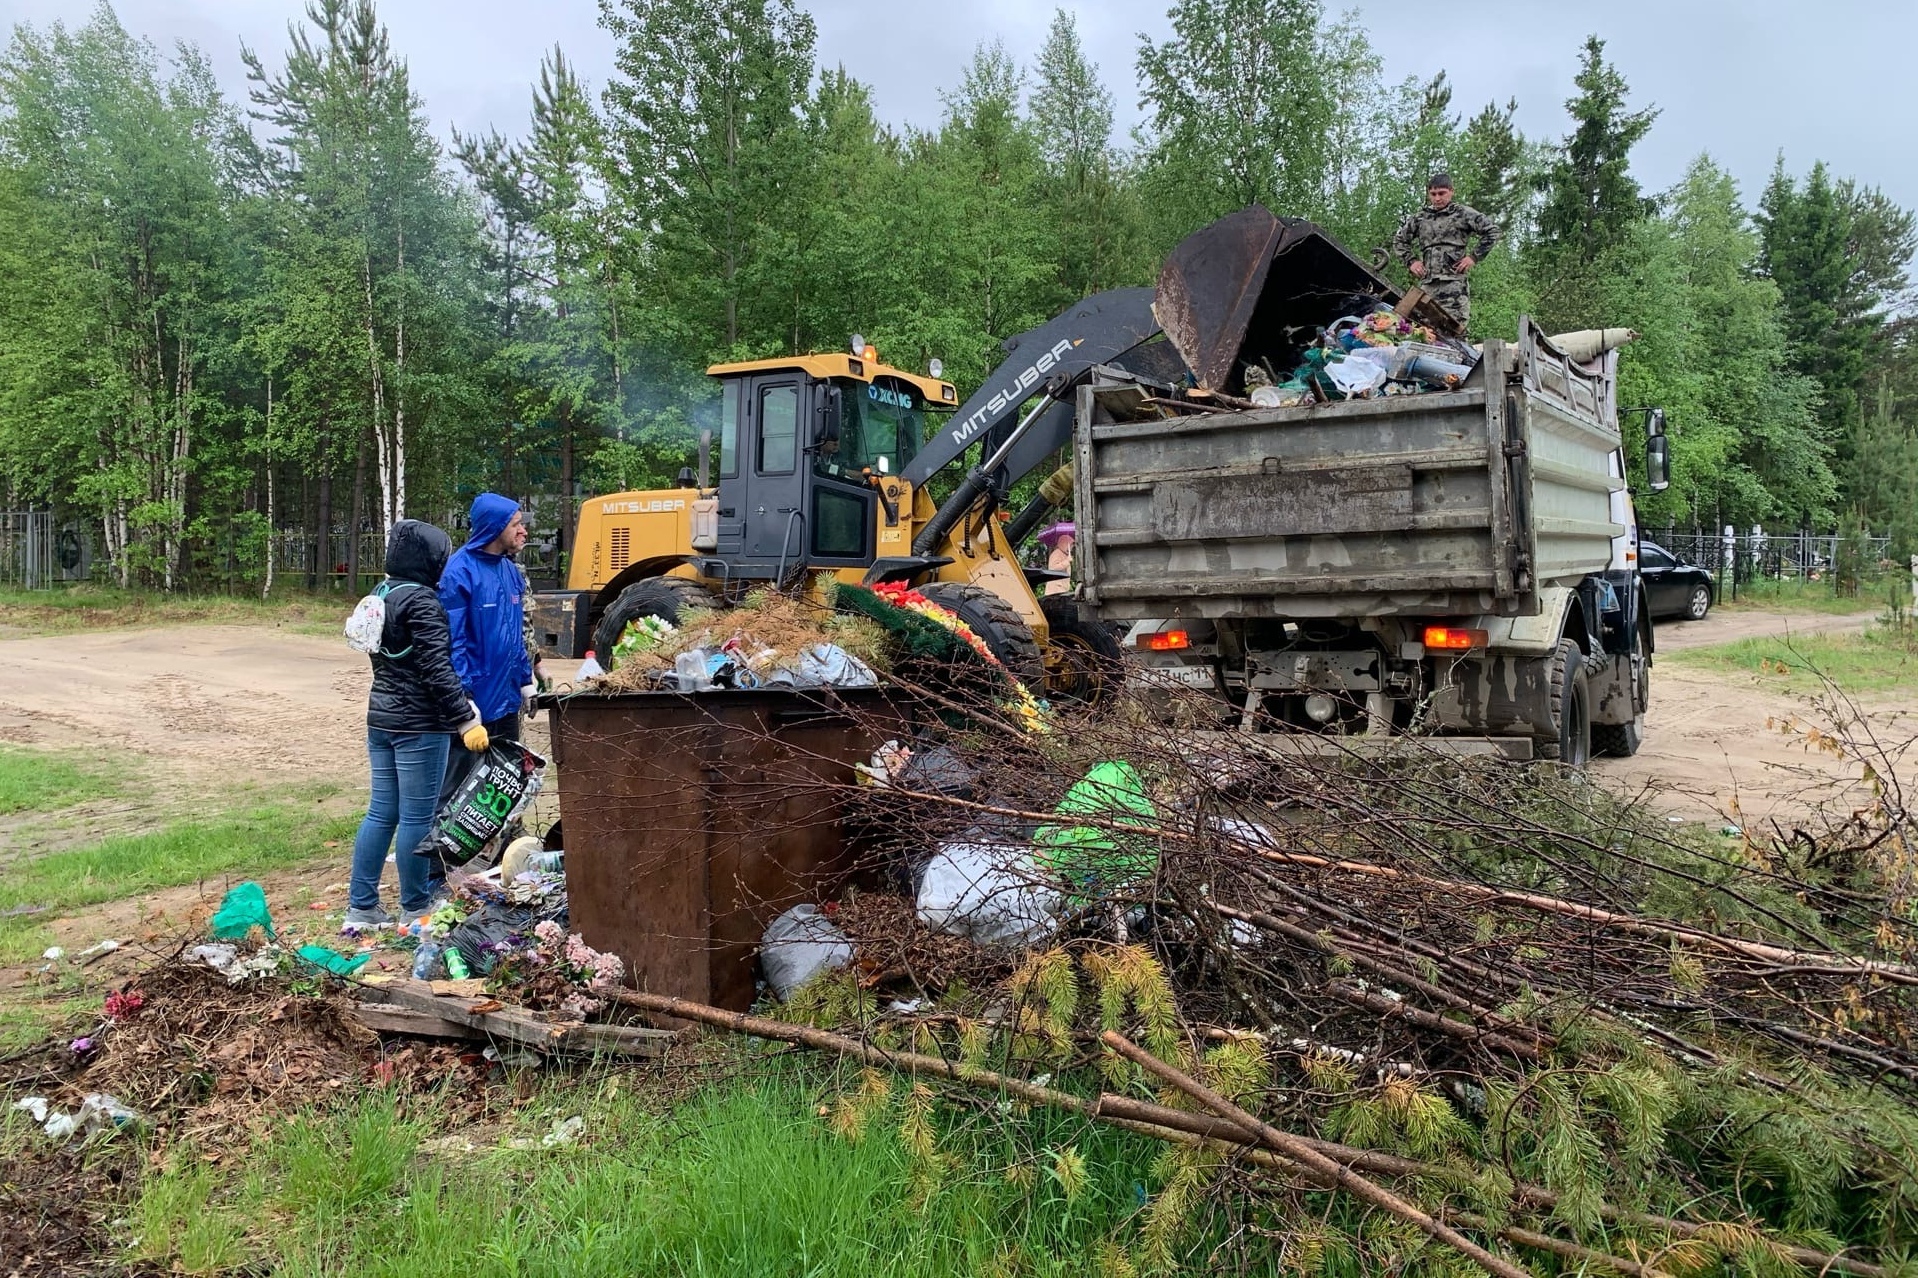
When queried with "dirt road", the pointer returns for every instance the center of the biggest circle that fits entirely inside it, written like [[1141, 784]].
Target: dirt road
[[1718, 746], [201, 702], [1724, 627], [208, 706]]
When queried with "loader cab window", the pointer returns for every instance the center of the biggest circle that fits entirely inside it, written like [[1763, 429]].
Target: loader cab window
[[729, 397], [778, 429], [885, 417]]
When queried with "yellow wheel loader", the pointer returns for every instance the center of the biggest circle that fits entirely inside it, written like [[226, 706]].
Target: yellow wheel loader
[[822, 469]]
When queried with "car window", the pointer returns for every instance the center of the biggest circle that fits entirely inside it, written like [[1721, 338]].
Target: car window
[[1650, 556]]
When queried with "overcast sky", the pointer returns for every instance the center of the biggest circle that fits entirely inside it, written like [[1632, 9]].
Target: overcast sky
[[1740, 78]]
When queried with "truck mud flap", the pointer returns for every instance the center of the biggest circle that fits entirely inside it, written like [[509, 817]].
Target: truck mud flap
[[1494, 695]]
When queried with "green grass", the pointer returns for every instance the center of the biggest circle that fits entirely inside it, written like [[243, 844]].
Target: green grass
[[45, 780], [1878, 661], [1796, 594], [86, 607], [242, 844], [746, 1179]]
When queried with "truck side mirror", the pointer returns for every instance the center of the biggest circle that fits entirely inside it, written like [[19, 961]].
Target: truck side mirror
[[830, 407], [1658, 463]]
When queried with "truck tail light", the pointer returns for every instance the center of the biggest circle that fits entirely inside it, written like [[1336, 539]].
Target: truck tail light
[[1450, 639], [1165, 641]]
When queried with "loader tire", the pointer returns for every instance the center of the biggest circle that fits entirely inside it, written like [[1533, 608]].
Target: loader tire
[[668, 598], [1083, 661], [1571, 709], [994, 621]]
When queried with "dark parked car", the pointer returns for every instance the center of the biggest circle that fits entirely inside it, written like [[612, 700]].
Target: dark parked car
[[1673, 587]]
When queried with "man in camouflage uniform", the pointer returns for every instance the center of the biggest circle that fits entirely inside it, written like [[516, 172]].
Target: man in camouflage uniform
[[1435, 243]]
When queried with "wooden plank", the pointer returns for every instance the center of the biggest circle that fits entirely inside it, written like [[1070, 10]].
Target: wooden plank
[[402, 1020], [516, 1024]]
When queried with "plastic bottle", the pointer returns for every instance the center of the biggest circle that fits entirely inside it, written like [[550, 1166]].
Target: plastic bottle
[[456, 964], [547, 862], [693, 671], [589, 668], [426, 960]]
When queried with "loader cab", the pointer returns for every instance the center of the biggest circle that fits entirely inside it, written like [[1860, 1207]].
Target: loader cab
[[806, 446]]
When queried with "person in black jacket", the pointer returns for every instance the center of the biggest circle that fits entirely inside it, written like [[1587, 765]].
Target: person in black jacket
[[412, 714]]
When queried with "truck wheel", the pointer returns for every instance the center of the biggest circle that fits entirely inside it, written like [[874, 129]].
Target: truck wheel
[[1083, 662], [1621, 740], [994, 621], [1571, 711], [668, 598]]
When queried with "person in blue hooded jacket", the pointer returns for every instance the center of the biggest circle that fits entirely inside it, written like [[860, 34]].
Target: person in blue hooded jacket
[[484, 593]]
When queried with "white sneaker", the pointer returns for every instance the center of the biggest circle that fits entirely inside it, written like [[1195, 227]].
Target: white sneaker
[[371, 919]]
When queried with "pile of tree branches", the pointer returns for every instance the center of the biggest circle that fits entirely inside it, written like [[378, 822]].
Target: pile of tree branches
[[1416, 1011]]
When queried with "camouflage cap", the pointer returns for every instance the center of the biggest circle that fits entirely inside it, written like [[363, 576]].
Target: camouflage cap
[[1439, 182]]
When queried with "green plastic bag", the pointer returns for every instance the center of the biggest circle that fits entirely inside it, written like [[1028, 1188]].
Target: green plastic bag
[[333, 961], [1091, 859], [241, 910]]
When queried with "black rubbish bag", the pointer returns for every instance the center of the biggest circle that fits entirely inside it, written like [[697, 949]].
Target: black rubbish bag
[[486, 802], [480, 938]]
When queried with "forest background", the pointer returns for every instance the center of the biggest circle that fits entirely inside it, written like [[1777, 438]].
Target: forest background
[[219, 319]]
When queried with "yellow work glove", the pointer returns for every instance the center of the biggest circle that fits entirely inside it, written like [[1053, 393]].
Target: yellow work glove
[[475, 738]]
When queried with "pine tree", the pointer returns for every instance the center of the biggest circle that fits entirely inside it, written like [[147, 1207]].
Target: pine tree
[[1591, 198], [1085, 189], [370, 259]]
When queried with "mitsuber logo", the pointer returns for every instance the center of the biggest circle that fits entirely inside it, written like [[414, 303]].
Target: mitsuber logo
[[962, 434]]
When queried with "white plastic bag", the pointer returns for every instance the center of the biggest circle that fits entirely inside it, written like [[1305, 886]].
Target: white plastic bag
[[799, 945], [991, 892], [824, 665], [1356, 376]]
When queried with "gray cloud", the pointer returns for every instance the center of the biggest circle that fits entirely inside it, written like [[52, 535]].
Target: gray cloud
[[1741, 80]]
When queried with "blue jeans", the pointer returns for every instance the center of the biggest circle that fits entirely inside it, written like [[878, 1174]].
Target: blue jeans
[[407, 768]]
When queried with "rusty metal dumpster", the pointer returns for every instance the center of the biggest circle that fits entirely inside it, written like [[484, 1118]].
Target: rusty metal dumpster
[[691, 821]]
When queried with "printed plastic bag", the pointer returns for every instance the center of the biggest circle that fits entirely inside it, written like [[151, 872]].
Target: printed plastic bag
[[991, 892], [486, 802], [799, 945]]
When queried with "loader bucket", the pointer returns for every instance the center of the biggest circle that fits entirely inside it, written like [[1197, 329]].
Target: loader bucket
[[1253, 287]]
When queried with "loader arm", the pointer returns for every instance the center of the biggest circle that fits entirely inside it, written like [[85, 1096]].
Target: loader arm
[[1096, 331]]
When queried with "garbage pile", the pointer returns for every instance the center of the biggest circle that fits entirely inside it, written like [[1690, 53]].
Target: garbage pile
[[1529, 1021], [858, 637], [1379, 353], [769, 640]]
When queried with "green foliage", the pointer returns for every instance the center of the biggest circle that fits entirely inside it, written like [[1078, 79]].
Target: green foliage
[[743, 1179], [316, 322], [45, 780]]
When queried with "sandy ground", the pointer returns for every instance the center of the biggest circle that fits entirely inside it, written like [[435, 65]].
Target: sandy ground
[[1724, 627], [204, 707], [1720, 746]]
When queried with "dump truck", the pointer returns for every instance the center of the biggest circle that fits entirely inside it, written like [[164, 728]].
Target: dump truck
[[1459, 563]]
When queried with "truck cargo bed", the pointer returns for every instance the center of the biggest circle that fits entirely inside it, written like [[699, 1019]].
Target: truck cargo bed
[[1451, 503]]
